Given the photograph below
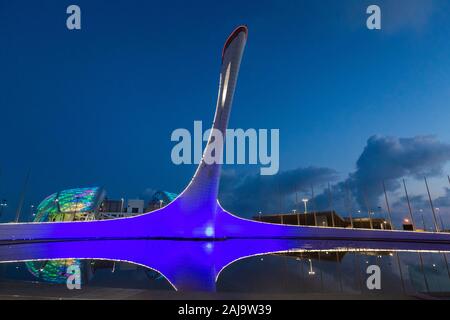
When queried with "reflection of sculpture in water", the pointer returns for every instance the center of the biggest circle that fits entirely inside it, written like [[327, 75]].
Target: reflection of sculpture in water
[[195, 265], [54, 271]]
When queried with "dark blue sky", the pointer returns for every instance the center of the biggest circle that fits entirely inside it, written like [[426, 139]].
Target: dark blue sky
[[97, 106]]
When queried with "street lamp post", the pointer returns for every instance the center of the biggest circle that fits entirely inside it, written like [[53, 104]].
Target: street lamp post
[[121, 205], [32, 211], [294, 211], [409, 204], [305, 202], [423, 220], [438, 211], [436, 227], [3, 205], [311, 271]]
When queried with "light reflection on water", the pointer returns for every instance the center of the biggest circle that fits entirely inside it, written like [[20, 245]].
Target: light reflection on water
[[239, 265], [401, 273]]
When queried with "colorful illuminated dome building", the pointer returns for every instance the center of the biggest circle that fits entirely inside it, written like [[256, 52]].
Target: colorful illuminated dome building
[[78, 204], [70, 205]]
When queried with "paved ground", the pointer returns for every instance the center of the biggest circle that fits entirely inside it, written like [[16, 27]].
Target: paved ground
[[34, 290]]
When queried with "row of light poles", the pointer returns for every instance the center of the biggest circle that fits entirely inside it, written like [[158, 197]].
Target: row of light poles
[[305, 202], [3, 206], [371, 213]]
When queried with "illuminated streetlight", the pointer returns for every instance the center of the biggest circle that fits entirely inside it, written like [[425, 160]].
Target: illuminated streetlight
[[3, 205], [121, 204], [311, 271], [305, 202], [32, 211]]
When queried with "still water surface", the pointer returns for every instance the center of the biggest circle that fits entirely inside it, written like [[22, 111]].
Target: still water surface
[[233, 266]]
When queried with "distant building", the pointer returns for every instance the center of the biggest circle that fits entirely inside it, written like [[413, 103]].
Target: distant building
[[135, 206], [111, 209], [160, 199], [80, 204], [407, 225], [112, 205], [324, 219]]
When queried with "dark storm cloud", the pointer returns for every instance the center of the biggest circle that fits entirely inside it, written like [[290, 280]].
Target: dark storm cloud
[[443, 201], [390, 158], [246, 195], [423, 202]]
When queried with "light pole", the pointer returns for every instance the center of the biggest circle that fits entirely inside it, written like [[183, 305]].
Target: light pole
[[311, 271], [371, 214], [438, 211], [423, 220], [3, 205], [305, 202], [121, 205], [32, 211], [294, 211], [436, 228], [409, 204]]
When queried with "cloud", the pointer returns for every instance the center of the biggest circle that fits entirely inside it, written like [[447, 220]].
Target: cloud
[[390, 158], [443, 201], [246, 195], [419, 202]]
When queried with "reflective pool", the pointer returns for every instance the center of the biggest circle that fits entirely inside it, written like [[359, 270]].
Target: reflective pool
[[261, 267]]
